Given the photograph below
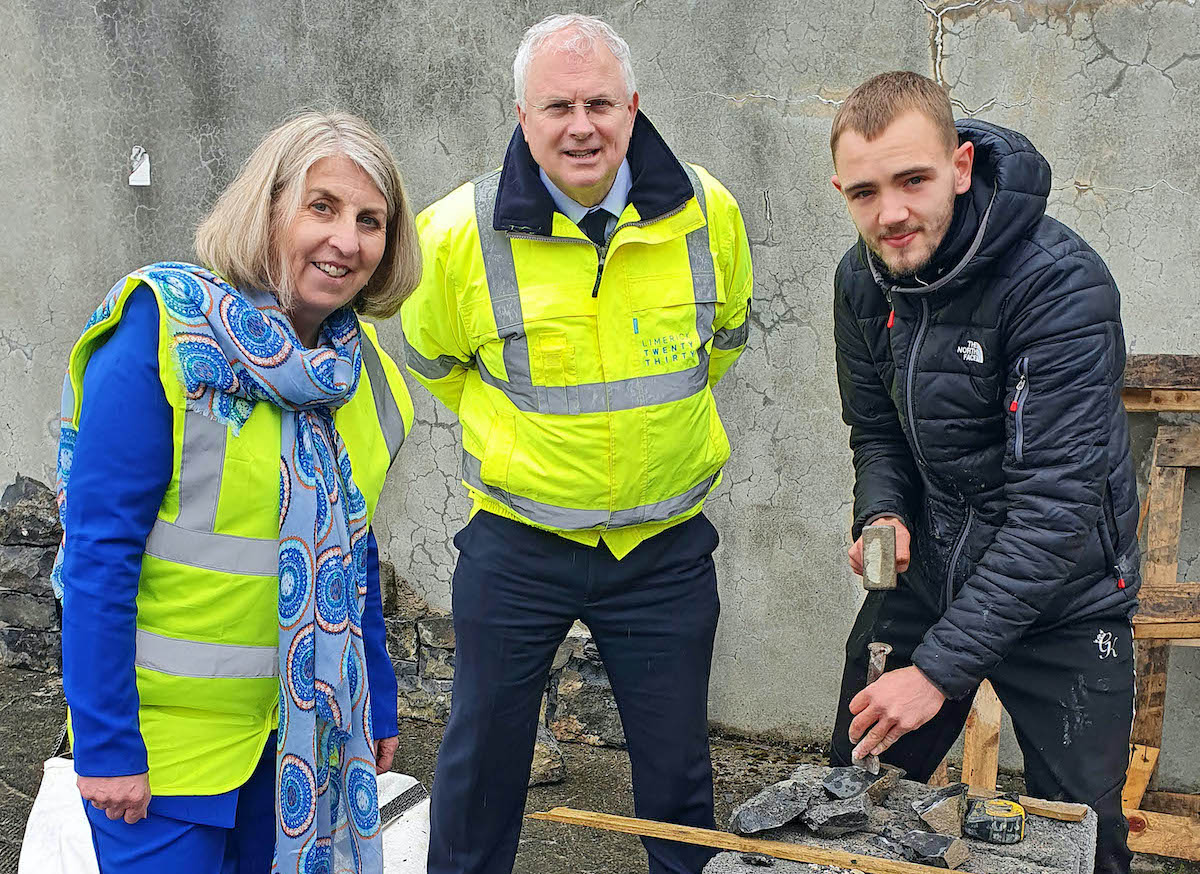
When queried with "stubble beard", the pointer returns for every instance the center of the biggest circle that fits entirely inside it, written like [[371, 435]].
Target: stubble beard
[[936, 232]]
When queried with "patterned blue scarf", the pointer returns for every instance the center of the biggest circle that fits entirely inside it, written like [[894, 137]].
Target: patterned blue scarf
[[233, 350]]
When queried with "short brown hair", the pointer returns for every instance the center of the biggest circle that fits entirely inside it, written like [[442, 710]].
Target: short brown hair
[[240, 237], [879, 101]]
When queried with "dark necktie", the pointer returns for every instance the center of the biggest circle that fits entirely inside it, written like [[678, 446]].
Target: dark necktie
[[594, 224]]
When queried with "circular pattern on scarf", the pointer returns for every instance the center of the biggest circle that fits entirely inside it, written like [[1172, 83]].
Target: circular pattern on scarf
[[332, 595], [285, 491], [352, 671], [362, 799], [367, 721], [302, 456], [297, 796], [327, 705], [341, 327], [202, 364], [325, 749], [356, 504], [301, 668], [325, 461], [322, 370], [295, 574], [258, 338], [66, 453], [316, 857], [182, 293], [281, 729], [357, 560], [337, 810]]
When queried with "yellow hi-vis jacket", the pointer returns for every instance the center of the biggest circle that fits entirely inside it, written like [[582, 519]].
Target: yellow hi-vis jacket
[[207, 604], [582, 374]]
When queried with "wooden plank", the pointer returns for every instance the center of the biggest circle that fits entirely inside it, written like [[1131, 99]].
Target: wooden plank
[[1177, 803], [1162, 595], [940, 776], [1163, 371], [1179, 633], [1142, 762], [1164, 834], [1177, 446], [724, 841], [1160, 401], [1151, 693], [981, 741]]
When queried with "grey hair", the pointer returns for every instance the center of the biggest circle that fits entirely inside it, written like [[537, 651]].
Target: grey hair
[[585, 32]]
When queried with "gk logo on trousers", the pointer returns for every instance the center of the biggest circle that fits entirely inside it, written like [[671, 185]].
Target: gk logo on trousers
[[1104, 642]]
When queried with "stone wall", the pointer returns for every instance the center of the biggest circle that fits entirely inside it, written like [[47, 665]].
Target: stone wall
[[29, 538]]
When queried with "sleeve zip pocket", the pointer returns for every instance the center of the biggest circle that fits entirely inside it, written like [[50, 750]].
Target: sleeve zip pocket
[[1018, 408]]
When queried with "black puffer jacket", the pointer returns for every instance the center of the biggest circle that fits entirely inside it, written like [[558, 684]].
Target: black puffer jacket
[[989, 418]]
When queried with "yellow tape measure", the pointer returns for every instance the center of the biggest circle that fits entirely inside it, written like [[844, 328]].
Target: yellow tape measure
[[995, 820]]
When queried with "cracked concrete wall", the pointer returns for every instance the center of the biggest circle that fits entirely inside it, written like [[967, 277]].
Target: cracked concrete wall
[[1107, 90]]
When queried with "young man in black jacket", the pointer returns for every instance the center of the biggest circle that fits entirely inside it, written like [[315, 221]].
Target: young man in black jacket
[[980, 357]]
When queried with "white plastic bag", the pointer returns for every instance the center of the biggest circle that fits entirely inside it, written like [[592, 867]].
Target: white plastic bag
[[404, 809], [58, 839]]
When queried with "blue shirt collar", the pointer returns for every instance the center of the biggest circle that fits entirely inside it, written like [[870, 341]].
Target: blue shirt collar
[[614, 201]]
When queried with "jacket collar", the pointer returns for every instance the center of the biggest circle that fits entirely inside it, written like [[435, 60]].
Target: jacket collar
[[660, 185]]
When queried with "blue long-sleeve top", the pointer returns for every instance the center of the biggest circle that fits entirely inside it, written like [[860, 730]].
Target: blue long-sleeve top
[[120, 473]]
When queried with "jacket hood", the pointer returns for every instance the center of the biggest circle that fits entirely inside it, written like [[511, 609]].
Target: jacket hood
[[1010, 182], [660, 183]]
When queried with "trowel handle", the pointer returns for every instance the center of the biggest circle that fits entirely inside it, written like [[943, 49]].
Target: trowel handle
[[879, 557]]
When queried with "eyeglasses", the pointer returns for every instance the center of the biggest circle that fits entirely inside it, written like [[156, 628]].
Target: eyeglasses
[[597, 107]]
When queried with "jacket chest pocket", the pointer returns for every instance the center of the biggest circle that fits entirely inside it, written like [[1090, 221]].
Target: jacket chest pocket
[[962, 374], [672, 321]]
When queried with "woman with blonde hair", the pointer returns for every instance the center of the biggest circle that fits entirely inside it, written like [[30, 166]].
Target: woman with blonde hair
[[226, 431]]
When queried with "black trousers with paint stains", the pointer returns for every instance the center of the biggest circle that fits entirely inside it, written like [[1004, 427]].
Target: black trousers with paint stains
[[1068, 690]]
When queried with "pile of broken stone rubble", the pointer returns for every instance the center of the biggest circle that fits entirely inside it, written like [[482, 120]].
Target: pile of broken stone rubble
[[888, 817]]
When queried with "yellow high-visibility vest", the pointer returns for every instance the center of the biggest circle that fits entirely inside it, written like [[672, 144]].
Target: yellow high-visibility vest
[[207, 604]]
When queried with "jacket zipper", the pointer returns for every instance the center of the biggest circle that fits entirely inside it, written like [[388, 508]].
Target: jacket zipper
[[954, 556], [912, 372], [1018, 407], [1106, 541]]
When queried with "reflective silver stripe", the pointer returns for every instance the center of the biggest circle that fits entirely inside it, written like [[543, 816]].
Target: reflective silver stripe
[[224, 553], [431, 368], [390, 420], [193, 658], [600, 397], [200, 467], [502, 282], [732, 338], [571, 518], [597, 397], [704, 275]]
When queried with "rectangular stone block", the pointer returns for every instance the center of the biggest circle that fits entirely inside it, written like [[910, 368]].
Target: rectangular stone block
[[401, 639], [424, 699], [27, 569], [437, 631], [437, 664], [32, 612], [35, 650]]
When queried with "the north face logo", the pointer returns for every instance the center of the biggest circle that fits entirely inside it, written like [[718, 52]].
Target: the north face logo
[[971, 351]]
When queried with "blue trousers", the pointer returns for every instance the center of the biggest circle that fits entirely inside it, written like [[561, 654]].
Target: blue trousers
[[159, 843], [653, 617]]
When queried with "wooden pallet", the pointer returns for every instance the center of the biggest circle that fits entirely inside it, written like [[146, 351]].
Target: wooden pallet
[[1160, 823]]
